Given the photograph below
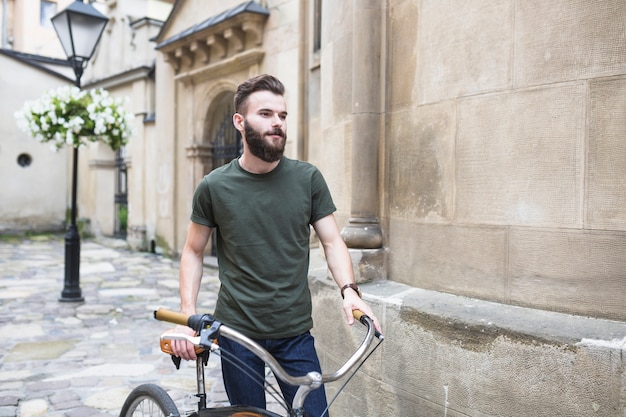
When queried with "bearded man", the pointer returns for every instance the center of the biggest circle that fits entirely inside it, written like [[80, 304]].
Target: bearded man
[[261, 207]]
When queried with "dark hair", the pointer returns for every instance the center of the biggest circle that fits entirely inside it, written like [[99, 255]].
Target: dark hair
[[264, 82]]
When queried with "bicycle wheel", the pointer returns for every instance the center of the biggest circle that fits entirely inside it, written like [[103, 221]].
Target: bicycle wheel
[[149, 400]]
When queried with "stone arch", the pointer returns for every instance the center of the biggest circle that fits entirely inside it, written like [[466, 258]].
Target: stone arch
[[219, 132], [217, 139], [200, 152]]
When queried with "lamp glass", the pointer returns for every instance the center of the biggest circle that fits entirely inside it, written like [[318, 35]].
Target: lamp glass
[[62, 27], [79, 29], [85, 34]]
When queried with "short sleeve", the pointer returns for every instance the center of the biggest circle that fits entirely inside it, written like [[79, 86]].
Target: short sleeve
[[322, 202], [201, 207]]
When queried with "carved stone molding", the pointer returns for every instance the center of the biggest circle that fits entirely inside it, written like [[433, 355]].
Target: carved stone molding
[[201, 50], [218, 43], [199, 151], [219, 38]]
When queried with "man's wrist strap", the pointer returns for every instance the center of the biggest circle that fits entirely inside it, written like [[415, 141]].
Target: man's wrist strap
[[354, 287]]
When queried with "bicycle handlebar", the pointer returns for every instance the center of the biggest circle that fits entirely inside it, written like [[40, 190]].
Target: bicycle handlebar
[[361, 316], [313, 379], [171, 316]]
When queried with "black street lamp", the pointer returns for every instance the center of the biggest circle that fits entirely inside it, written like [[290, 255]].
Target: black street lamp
[[79, 28]]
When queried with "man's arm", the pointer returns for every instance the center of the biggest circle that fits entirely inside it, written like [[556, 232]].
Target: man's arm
[[191, 267], [340, 265]]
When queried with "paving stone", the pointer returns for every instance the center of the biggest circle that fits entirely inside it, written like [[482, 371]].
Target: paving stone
[[67, 405], [34, 408], [33, 351], [83, 412], [108, 400], [15, 375], [56, 386], [9, 400], [10, 411], [63, 397]]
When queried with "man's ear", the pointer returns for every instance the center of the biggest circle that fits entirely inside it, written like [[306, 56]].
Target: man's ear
[[238, 121]]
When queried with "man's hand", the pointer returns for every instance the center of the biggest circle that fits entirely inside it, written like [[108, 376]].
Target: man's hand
[[183, 348], [352, 302]]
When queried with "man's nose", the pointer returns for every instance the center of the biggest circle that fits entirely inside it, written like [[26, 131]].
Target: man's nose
[[276, 120]]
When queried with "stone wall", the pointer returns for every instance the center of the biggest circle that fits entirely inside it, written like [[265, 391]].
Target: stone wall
[[34, 187], [504, 143], [501, 205], [445, 355]]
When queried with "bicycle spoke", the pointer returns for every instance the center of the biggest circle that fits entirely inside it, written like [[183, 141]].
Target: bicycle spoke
[[147, 408]]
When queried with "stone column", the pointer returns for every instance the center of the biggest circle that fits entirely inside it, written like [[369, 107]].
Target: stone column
[[363, 234]]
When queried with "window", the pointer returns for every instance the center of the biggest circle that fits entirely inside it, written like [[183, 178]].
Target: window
[[47, 10]]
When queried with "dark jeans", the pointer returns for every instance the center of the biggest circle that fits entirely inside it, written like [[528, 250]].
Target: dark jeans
[[296, 355]]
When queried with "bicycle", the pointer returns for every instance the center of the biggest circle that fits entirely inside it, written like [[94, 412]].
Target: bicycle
[[151, 400]]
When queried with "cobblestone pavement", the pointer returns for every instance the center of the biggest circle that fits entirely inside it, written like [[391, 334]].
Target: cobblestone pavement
[[83, 359]]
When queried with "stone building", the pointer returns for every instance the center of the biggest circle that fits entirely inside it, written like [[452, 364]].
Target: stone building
[[23, 161], [25, 75], [473, 150]]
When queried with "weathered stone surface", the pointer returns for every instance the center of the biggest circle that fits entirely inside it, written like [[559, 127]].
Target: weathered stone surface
[[550, 270], [461, 260], [339, 184], [518, 167], [564, 40], [452, 355], [421, 163], [403, 54], [606, 184], [464, 49]]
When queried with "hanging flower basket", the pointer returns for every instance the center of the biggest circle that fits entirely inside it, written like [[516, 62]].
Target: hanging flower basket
[[75, 117]]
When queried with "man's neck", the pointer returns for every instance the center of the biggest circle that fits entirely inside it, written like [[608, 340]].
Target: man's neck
[[256, 165]]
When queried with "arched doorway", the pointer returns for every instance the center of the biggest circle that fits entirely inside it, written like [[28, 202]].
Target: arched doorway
[[225, 140]]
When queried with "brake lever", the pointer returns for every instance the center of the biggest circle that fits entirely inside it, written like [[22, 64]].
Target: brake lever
[[195, 340]]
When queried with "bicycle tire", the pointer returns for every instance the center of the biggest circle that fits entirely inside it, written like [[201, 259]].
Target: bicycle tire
[[149, 400]]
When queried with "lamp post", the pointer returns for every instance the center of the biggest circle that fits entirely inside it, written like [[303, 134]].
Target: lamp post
[[79, 28]]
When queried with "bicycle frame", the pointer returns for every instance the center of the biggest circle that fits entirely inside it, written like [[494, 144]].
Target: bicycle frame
[[208, 328]]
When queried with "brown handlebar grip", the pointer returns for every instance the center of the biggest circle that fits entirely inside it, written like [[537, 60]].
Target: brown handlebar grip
[[171, 316], [357, 314]]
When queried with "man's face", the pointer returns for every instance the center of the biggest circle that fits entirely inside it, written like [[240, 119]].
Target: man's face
[[265, 125], [262, 145]]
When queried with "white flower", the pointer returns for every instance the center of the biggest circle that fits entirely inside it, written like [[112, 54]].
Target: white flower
[[70, 116]]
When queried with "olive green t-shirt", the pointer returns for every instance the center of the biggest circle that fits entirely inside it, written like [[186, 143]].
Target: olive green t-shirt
[[262, 226]]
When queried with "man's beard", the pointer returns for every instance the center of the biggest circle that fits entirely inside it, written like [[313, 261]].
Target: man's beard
[[262, 148]]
